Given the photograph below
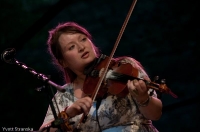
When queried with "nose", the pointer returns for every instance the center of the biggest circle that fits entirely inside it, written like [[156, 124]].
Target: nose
[[81, 48]]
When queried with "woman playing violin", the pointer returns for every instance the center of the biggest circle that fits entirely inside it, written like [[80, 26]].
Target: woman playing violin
[[72, 49]]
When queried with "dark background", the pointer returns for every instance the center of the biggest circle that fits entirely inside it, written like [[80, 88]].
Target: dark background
[[162, 34]]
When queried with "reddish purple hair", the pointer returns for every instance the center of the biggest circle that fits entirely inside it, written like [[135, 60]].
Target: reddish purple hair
[[55, 49]]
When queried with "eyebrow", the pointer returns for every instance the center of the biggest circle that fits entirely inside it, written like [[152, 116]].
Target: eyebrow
[[79, 37]]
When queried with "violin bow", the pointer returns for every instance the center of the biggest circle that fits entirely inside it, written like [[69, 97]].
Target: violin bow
[[110, 57]]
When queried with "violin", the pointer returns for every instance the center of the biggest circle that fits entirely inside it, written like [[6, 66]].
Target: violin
[[115, 80]]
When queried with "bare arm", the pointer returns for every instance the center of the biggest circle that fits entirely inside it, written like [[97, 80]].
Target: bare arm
[[153, 107]]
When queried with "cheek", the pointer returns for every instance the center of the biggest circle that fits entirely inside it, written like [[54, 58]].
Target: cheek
[[68, 58], [91, 47], [93, 51]]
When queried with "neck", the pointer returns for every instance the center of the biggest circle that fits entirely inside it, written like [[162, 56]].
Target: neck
[[78, 86], [80, 79]]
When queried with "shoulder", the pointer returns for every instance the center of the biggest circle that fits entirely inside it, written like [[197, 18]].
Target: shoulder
[[68, 87], [64, 98], [132, 61], [135, 64], [68, 90], [125, 59]]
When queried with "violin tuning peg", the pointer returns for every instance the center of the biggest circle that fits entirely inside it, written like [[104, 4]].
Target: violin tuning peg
[[156, 78], [163, 81]]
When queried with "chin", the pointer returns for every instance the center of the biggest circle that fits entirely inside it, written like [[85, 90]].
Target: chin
[[90, 60]]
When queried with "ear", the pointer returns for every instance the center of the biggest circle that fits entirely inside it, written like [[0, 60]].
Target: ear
[[62, 63]]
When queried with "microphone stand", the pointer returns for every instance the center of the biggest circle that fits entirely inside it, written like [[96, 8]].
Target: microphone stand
[[8, 56]]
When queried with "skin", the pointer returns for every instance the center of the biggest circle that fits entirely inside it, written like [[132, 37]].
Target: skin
[[73, 47]]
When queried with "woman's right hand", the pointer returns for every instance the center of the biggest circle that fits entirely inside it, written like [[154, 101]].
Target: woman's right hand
[[80, 106]]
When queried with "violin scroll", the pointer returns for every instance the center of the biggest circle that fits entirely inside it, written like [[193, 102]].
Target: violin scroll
[[62, 123], [66, 125], [162, 87]]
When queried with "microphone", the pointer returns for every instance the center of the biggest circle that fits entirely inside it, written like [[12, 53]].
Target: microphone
[[8, 55]]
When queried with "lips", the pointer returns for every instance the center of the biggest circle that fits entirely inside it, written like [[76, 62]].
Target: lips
[[85, 55]]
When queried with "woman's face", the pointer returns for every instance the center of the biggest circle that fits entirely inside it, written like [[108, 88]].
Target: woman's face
[[77, 51]]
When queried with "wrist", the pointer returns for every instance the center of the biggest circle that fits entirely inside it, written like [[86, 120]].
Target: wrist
[[142, 98], [66, 111], [144, 103]]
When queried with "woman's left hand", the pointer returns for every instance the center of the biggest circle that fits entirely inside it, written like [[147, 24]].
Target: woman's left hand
[[138, 89]]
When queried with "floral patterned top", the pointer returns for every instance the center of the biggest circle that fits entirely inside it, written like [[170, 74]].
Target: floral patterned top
[[113, 115]]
